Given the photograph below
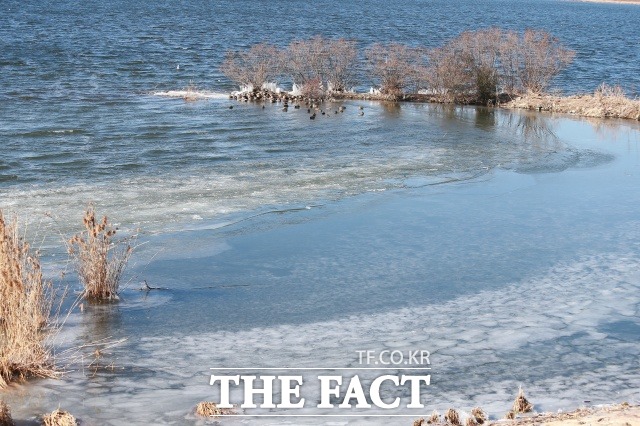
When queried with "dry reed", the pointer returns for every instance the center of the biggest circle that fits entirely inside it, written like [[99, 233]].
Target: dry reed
[[434, 419], [510, 415], [479, 415], [521, 404], [211, 409], [605, 102], [59, 418], [471, 421], [452, 417], [419, 422], [100, 260], [25, 307], [5, 415]]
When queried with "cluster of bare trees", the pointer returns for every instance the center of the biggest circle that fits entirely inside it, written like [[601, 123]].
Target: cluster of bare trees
[[478, 65], [474, 67], [316, 66]]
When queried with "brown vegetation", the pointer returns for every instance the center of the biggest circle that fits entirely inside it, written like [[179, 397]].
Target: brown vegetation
[[59, 418], [320, 65], [25, 306], [477, 65], [472, 68], [434, 418], [615, 415], [253, 67], [452, 417], [605, 102], [316, 66], [5, 415], [100, 261], [521, 404], [211, 409], [395, 67], [487, 66], [479, 415]]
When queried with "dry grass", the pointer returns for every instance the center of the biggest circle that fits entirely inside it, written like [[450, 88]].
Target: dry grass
[[211, 409], [434, 419], [59, 418], [452, 417], [471, 421], [25, 307], [100, 261], [479, 415], [419, 422], [605, 102], [521, 404], [510, 415], [5, 415]]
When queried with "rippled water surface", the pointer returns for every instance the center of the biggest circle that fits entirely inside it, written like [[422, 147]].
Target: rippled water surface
[[504, 243]]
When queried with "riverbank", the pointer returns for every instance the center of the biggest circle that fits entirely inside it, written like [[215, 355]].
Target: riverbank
[[609, 415], [605, 102]]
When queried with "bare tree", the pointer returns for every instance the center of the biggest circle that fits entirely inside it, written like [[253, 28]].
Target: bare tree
[[253, 67], [339, 64], [446, 77], [475, 65], [542, 58], [395, 67], [303, 61], [466, 68], [481, 55], [321, 62], [510, 60]]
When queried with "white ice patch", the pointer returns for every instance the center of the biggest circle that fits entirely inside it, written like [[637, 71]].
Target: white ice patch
[[481, 350], [192, 94]]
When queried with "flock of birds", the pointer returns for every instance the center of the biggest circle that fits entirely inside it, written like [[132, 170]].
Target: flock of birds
[[313, 109]]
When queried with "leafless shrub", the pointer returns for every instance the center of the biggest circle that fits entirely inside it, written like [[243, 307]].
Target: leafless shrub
[[25, 306], [542, 58], [259, 64], [476, 64], [340, 61], [466, 68], [320, 62], [100, 261], [395, 67], [59, 418], [510, 62], [447, 78], [312, 89]]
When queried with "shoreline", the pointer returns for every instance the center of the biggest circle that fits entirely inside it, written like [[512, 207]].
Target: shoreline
[[608, 415], [605, 102]]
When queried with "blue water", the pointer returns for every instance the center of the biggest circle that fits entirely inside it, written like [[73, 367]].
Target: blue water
[[494, 239]]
